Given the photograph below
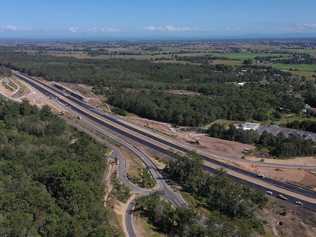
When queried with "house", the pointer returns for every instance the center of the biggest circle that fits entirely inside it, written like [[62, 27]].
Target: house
[[248, 126], [241, 83]]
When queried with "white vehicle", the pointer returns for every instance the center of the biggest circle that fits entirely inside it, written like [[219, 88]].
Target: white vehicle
[[299, 203], [282, 197], [269, 192]]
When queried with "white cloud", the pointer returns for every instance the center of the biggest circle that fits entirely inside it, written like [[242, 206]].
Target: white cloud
[[110, 29], [73, 29], [170, 28], [11, 28], [232, 28], [104, 30], [307, 27], [8, 28]]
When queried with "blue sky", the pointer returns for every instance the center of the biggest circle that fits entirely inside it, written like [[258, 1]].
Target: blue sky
[[156, 18]]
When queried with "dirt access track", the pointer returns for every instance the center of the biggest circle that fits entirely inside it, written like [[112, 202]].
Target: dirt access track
[[26, 92], [200, 141]]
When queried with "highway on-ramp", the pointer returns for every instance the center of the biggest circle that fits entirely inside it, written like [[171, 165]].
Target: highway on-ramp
[[161, 186]]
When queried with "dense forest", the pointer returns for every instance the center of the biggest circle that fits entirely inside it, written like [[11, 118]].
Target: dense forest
[[50, 176], [145, 87], [218, 102], [278, 146], [231, 207]]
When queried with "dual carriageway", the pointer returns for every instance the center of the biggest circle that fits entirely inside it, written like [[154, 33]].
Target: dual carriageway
[[136, 135]]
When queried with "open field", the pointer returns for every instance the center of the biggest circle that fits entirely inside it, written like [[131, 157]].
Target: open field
[[230, 62], [245, 55], [307, 70], [303, 50]]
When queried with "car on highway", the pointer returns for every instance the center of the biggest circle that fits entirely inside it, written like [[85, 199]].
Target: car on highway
[[298, 203], [269, 192], [282, 197], [260, 176]]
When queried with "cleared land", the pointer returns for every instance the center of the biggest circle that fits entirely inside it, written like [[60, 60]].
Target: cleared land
[[144, 229], [289, 221]]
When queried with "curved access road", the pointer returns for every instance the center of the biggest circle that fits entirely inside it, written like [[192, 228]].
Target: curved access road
[[161, 186]]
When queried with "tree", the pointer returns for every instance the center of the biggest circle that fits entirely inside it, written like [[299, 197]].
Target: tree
[[247, 62]]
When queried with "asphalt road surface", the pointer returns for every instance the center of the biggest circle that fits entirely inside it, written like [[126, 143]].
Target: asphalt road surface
[[161, 186]]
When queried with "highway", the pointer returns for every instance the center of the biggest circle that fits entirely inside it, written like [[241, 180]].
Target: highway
[[175, 144], [161, 186], [166, 146]]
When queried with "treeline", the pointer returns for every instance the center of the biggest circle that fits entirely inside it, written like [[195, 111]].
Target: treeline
[[180, 110], [4, 71], [231, 207], [141, 86], [306, 125], [220, 102], [216, 192], [278, 146], [116, 72], [297, 59], [232, 133], [170, 220], [50, 175], [186, 222], [206, 59], [120, 73]]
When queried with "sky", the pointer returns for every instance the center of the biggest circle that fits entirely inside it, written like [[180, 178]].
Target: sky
[[146, 19]]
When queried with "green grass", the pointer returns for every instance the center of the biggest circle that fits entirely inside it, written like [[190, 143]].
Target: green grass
[[148, 228], [219, 121], [230, 62], [308, 51], [245, 55], [306, 70]]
